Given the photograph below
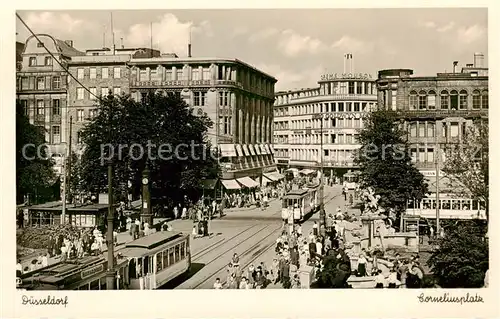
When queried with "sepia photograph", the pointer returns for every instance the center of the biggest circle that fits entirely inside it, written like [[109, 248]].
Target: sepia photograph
[[250, 149]]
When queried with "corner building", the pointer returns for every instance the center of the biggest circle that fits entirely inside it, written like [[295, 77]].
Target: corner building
[[436, 110], [235, 96], [332, 113]]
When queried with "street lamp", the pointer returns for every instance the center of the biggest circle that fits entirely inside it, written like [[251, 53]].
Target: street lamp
[[322, 215]]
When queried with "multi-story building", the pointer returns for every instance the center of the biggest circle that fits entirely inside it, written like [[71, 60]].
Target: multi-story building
[[19, 55], [234, 95], [436, 109], [41, 88], [321, 124]]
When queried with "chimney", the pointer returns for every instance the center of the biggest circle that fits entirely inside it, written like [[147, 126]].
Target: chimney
[[69, 42], [455, 63], [478, 60]]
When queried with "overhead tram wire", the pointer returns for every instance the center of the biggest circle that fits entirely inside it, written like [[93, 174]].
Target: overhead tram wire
[[54, 58]]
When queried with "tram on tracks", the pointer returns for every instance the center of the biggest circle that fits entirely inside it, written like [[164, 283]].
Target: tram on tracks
[[146, 263], [87, 273], [156, 259], [301, 203]]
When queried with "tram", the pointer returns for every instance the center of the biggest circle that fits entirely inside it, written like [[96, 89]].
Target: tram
[[351, 180], [87, 273], [449, 208], [156, 259], [299, 202]]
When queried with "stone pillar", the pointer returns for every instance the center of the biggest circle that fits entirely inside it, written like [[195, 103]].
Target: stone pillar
[[253, 120], [234, 115], [138, 73], [258, 131], [363, 88], [213, 72], [187, 72], [174, 73]]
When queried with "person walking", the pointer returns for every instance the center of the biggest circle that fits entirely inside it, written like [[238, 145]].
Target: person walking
[[217, 284]]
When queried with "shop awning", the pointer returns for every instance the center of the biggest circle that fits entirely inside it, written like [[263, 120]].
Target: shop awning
[[239, 150], [271, 148], [245, 150], [208, 183], [274, 176], [230, 184], [252, 151], [268, 150], [263, 149], [227, 150], [247, 182], [257, 149], [307, 171]]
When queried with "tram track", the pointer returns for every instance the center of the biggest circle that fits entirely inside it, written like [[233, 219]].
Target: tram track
[[217, 244], [215, 273]]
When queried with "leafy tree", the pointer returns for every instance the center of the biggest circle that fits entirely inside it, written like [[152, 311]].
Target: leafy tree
[[35, 176], [461, 259], [468, 162], [159, 125], [385, 163]]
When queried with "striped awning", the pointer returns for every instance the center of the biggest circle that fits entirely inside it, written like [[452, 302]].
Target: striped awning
[[227, 150], [271, 148], [252, 151], [246, 152], [247, 182], [267, 149], [239, 150], [274, 176], [263, 149], [257, 149], [230, 184], [307, 171]]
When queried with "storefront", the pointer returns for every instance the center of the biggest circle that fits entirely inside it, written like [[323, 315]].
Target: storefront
[[78, 215]]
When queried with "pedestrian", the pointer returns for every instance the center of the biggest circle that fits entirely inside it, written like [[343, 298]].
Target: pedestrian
[[379, 279], [194, 232], [275, 270], [431, 233], [237, 273], [361, 265], [319, 247], [243, 284], [315, 229], [235, 260], [286, 275], [184, 212], [217, 284], [232, 284]]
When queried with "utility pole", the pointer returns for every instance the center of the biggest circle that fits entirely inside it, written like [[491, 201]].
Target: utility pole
[[322, 215], [438, 154], [63, 195], [68, 179], [110, 275]]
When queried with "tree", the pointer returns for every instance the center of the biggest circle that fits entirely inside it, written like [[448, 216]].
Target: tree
[[35, 176], [385, 163], [468, 163], [165, 129], [461, 259]]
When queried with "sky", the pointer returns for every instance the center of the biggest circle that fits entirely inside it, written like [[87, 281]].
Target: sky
[[295, 46]]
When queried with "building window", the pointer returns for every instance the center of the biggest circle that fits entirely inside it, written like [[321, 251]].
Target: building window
[[93, 73], [431, 100], [117, 73], [179, 74], [359, 87], [351, 87], [143, 75], [445, 104], [454, 100], [24, 83], [199, 98], [92, 113], [48, 60], [341, 107], [117, 90], [56, 107], [80, 72], [430, 155], [413, 100], [206, 73], [431, 128], [348, 107], [413, 129], [93, 93], [24, 106], [153, 74], [79, 94], [105, 73], [463, 100], [168, 75], [422, 100], [444, 130], [421, 155], [104, 92], [348, 139], [421, 129], [40, 107], [195, 74], [56, 82], [80, 115], [341, 138], [340, 122], [32, 61], [484, 100], [56, 134], [476, 100], [454, 130], [224, 99], [357, 123], [40, 83]]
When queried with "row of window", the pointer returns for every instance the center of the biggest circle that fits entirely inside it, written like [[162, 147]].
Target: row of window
[[40, 106], [422, 155], [80, 114], [47, 61], [317, 108], [82, 94], [457, 204], [327, 139], [281, 153], [316, 124], [40, 82], [103, 72], [453, 100], [225, 125], [170, 256], [329, 155]]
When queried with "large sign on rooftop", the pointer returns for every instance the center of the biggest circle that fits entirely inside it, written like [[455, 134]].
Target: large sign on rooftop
[[339, 76]]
